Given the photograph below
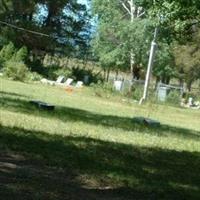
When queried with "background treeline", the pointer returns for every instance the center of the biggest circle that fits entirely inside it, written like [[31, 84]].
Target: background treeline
[[106, 36], [125, 31]]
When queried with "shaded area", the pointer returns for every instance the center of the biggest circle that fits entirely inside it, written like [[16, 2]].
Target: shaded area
[[13, 103], [36, 165], [12, 94]]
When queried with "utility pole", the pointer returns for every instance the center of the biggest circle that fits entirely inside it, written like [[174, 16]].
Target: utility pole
[[132, 13], [150, 66]]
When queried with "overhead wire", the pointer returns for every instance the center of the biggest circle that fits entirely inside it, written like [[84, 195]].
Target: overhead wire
[[23, 29], [32, 32]]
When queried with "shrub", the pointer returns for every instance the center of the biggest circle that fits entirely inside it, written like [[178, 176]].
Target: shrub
[[79, 74], [7, 52], [20, 55], [104, 90], [16, 70], [33, 76], [54, 71], [174, 97], [37, 66], [135, 92], [63, 72], [194, 95], [1, 63]]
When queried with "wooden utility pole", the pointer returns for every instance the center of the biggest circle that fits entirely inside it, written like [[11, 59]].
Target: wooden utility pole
[[132, 9]]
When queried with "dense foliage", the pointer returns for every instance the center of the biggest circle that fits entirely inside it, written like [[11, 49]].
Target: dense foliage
[[124, 31], [126, 27], [65, 23], [121, 35], [13, 62], [188, 60]]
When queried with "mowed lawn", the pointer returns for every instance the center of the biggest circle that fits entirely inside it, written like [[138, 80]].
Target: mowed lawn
[[90, 148]]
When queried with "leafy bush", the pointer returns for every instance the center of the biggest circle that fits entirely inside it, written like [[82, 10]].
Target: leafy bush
[[33, 76], [37, 66], [7, 52], [50, 72], [63, 72], [194, 95], [45, 71], [20, 55], [135, 92], [16, 70], [104, 90], [79, 74], [174, 97], [12, 62], [1, 63], [53, 72]]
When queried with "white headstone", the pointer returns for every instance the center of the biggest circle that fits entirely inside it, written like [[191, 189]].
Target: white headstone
[[44, 80], [162, 93], [118, 85], [79, 84], [190, 101], [68, 82], [60, 79]]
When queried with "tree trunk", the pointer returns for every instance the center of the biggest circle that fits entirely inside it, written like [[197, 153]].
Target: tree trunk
[[181, 82], [165, 80], [104, 74], [136, 72], [157, 82], [168, 80], [189, 86], [108, 75], [116, 75]]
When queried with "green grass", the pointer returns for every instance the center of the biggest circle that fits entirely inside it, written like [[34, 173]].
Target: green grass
[[89, 147]]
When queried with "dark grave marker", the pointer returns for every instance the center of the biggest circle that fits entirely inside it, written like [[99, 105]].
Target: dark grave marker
[[146, 121], [42, 105]]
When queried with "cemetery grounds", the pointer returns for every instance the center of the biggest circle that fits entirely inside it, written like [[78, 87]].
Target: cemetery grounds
[[90, 148]]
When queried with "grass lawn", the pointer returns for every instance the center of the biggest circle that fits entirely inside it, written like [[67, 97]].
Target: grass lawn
[[89, 148]]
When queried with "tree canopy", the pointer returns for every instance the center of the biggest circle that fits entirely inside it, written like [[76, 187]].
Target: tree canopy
[[125, 30], [123, 35], [65, 22]]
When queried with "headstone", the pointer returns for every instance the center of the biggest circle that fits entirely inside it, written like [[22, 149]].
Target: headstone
[[162, 93], [79, 84], [42, 105], [146, 121], [51, 82], [68, 82], [60, 79], [86, 79], [190, 101], [118, 85], [44, 81]]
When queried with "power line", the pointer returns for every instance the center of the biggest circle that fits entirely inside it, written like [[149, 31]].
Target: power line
[[32, 32], [23, 29]]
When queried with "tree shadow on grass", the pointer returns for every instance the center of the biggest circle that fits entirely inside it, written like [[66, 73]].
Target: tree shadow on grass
[[67, 114], [12, 94], [36, 165]]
